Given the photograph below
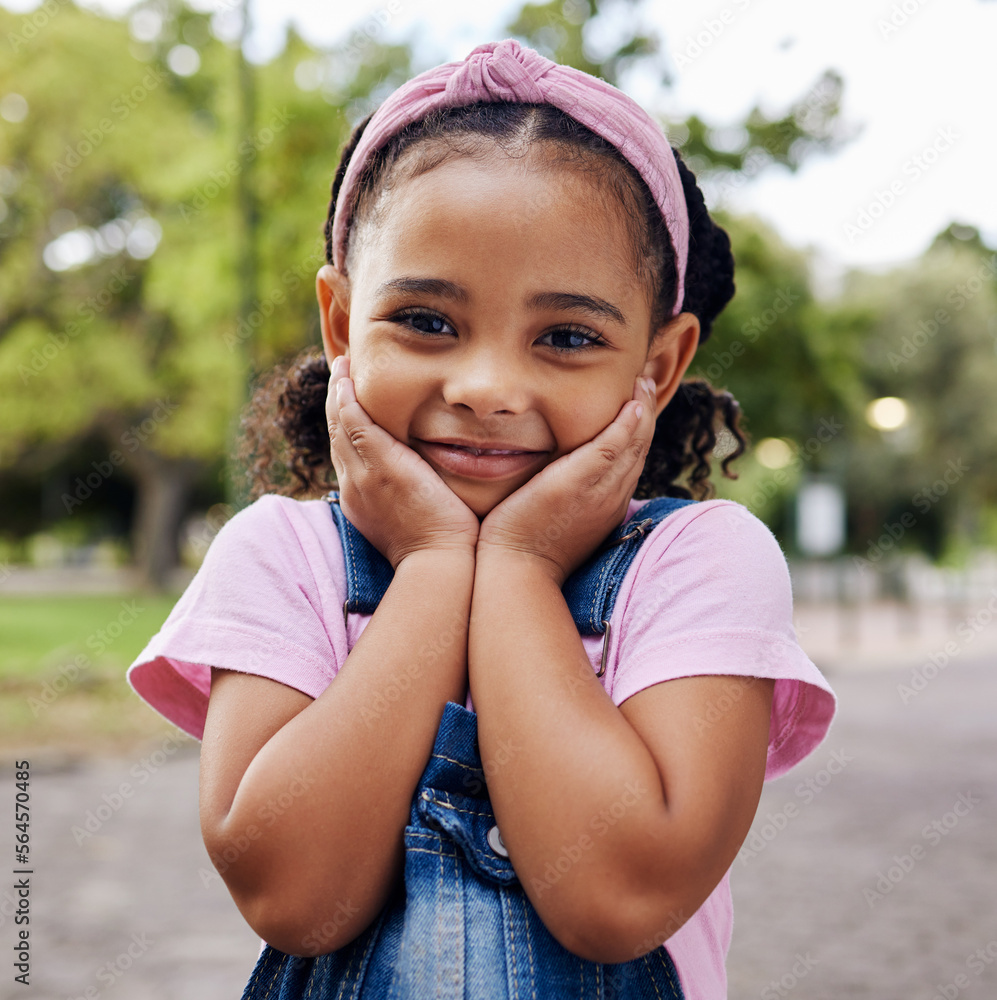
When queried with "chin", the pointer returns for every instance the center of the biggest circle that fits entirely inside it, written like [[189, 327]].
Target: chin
[[480, 502], [481, 507]]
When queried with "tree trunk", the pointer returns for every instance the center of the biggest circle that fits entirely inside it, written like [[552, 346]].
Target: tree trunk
[[164, 485]]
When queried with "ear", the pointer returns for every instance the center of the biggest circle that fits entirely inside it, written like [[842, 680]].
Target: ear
[[670, 354], [333, 290]]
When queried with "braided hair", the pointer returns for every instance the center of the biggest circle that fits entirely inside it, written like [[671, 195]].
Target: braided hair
[[291, 400]]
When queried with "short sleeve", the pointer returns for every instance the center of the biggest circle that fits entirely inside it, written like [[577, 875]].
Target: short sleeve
[[267, 600], [709, 593]]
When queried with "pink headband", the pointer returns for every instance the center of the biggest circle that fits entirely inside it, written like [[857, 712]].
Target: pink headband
[[505, 71]]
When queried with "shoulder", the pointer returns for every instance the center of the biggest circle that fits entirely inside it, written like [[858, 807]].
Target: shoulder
[[708, 568], [281, 514], [276, 535], [712, 518], [267, 600], [719, 543], [709, 593]]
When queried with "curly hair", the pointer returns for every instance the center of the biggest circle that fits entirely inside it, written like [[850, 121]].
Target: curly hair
[[285, 445]]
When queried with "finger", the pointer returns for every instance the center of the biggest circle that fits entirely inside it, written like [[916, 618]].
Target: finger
[[624, 444], [646, 394], [349, 428], [340, 367], [638, 411], [609, 458], [352, 417], [636, 418], [646, 391], [332, 417], [365, 444]]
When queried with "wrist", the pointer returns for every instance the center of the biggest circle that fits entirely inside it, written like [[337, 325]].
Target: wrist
[[505, 559], [443, 559]]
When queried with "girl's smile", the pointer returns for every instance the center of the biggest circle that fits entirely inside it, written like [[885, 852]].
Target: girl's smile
[[494, 319], [483, 462]]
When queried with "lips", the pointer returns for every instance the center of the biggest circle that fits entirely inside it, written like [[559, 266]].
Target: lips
[[484, 448], [480, 459], [489, 451]]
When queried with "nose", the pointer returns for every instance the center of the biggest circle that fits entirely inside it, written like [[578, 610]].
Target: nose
[[487, 381]]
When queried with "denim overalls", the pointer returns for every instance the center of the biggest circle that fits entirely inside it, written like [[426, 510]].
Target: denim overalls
[[462, 926]]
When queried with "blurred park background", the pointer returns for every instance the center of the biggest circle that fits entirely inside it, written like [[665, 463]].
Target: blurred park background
[[164, 177], [161, 203]]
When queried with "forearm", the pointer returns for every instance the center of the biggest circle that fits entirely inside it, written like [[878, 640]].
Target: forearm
[[327, 859], [580, 803]]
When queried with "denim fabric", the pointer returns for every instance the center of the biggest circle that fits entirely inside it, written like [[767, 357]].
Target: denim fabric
[[368, 573], [462, 926], [590, 591]]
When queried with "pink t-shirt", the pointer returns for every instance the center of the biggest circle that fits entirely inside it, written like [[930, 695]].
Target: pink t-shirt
[[707, 593]]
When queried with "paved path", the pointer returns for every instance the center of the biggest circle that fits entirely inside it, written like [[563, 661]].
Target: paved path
[[124, 912], [874, 875], [808, 923]]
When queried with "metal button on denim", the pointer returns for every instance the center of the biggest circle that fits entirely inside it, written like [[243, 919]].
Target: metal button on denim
[[496, 843]]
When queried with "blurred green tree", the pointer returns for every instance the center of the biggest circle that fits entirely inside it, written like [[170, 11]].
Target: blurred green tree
[[933, 344], [124, 313], [787, 357], [93, 338]]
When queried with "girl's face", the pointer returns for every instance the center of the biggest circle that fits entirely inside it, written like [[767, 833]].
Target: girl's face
[[494, 307]]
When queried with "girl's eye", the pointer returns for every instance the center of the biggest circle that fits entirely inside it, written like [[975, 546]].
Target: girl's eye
[[571, 340], [424, 322], [566, 340]]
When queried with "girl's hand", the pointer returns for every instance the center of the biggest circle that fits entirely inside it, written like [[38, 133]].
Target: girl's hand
[[565, 511], [393, 497]]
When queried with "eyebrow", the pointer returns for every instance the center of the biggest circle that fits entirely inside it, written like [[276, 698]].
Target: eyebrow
[[591, 304], [537, 302], [425, 286]]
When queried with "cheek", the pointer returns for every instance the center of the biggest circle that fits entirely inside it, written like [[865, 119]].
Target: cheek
[[578, 424], [381, 404], [388, 393]]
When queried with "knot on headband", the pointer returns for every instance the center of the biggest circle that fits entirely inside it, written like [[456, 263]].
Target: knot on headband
[[505, 71], [508, 72]]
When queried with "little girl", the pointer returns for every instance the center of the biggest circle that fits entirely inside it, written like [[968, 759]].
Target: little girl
[[475, 725]]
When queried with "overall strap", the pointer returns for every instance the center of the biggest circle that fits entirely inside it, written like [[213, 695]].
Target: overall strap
[[590, 591], [368, 573]]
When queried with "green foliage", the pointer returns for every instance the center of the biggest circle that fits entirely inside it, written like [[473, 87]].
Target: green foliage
[[933, 344], [788, 359], [99, 346], [163, 337], [565, 30], [810, 125]]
